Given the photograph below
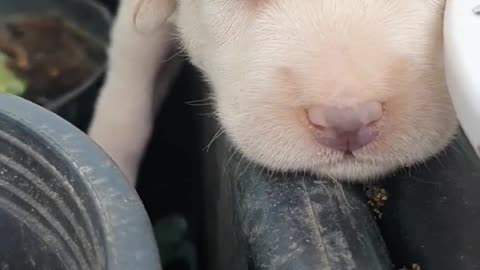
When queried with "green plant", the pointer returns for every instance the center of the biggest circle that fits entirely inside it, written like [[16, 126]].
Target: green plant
[[9, 82]]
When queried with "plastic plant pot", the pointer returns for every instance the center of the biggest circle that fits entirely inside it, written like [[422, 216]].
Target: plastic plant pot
[[92, 18], [63, 203]]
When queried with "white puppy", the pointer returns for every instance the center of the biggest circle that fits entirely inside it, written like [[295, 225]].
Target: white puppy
[[352, 89]]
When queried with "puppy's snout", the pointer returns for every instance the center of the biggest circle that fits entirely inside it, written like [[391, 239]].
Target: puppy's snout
[[346, 128]]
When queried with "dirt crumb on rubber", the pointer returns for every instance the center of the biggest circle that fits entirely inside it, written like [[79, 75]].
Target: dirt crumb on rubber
[[377, 197]]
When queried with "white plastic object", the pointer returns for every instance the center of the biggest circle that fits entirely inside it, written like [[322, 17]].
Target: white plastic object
[[462, 64]]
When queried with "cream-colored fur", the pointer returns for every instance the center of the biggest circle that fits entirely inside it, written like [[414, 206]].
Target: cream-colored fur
[[125, 110], [268, 60]]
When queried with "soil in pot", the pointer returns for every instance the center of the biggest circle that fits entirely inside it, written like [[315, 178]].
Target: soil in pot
[[49, 55]]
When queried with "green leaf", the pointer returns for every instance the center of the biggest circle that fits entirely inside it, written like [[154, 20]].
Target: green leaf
[[9, 82]]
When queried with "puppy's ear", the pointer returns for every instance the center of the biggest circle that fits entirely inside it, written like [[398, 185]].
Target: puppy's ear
[[151, 14]]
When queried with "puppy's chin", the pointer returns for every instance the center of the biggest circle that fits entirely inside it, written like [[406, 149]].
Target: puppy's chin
[[285, 144], [354, 171], [350, 169]]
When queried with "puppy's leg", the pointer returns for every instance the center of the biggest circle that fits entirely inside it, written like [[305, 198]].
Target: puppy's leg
[[124, 113]]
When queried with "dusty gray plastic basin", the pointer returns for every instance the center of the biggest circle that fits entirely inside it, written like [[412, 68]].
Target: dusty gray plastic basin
[[63, 203]]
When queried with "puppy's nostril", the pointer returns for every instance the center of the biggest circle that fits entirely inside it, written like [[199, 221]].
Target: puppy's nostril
[[317, 116], [348, 128]]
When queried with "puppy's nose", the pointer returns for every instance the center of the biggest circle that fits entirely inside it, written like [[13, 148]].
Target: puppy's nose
[[346, 128]]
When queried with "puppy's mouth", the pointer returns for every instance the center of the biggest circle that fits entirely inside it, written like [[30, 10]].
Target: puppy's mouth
[[348, 155]]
